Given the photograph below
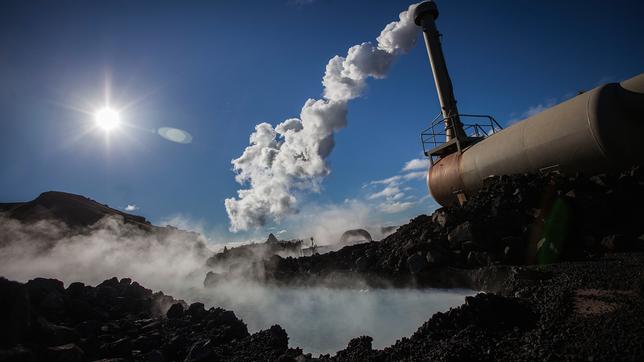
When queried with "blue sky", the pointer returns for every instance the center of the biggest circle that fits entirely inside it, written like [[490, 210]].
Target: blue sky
[[216, 69]]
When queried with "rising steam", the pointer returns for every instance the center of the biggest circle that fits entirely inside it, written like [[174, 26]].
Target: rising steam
[[291, 156], [319, 319], [169, 259]]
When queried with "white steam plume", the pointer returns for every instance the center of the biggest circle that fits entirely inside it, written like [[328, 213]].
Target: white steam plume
[[291, 156]]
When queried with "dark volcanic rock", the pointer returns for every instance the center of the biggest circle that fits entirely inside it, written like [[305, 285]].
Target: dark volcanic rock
[[515, 220], [196, 310], [73, 210], [15, 312], [17, 353], [549, 247], [53, 335], [175, 311], [359, 349], [577, 311], [459, 235], [416, 263], [456, 335], [267, 345], [121, 319]]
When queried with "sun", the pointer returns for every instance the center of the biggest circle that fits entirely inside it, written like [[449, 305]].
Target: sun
[[107, 119]]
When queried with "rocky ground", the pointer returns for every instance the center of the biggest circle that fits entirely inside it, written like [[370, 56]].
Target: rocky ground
[[572, 311], [123, 321], [589, 310], [517, 220], [560, 257]]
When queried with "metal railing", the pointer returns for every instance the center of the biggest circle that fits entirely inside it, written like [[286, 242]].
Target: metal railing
[[473, 130]]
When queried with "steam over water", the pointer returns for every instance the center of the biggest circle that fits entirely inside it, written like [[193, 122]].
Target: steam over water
[[324, 320], [317, 319]]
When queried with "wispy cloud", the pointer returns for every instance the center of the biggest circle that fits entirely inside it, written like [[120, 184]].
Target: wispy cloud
[[396, 207], [398, 179], [539, 107], [397, 195], [389, 191], [416, 164], [393, 180], [414, 175], [534, 109], [131, 207]]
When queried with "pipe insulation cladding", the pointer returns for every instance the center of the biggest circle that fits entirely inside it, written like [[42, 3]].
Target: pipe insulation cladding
[[597, 131]]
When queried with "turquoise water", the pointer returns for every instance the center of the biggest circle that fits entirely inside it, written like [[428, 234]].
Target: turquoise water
[[323, 320]]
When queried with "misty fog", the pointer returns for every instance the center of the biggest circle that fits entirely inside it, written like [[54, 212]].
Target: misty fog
[[324, 320], [318, 319]]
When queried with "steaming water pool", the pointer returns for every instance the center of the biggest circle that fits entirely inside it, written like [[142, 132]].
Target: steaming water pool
[[323, 320]]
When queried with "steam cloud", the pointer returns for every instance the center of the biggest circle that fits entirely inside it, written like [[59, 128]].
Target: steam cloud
[[319, 319], [291, 156], [108, 248]]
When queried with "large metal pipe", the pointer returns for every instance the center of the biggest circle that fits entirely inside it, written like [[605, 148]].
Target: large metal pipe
[[424, 16], [594, 132]]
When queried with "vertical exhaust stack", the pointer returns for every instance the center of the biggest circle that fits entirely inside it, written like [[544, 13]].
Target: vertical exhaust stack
[[424, 16]]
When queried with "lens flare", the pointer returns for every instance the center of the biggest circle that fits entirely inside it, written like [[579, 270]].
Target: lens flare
[[175, 135]]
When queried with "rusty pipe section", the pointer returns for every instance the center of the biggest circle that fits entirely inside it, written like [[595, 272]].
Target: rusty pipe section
[[424, 16], [595, 132], [444, 179]]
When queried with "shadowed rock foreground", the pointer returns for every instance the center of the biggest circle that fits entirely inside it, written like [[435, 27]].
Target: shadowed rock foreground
[[560, 257], [572, 311], [592, 310], [512, 220], [43, 321]]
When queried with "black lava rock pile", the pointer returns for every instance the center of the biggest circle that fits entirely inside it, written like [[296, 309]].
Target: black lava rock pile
[[570, 311], [465, 333], [589, 305], [512, 220], [121, 320], [574, 311]]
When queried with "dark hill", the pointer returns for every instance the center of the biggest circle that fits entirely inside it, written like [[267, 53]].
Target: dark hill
[[73, 210]]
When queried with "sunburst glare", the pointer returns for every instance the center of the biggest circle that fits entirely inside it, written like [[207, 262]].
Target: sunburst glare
[[107, 119]]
